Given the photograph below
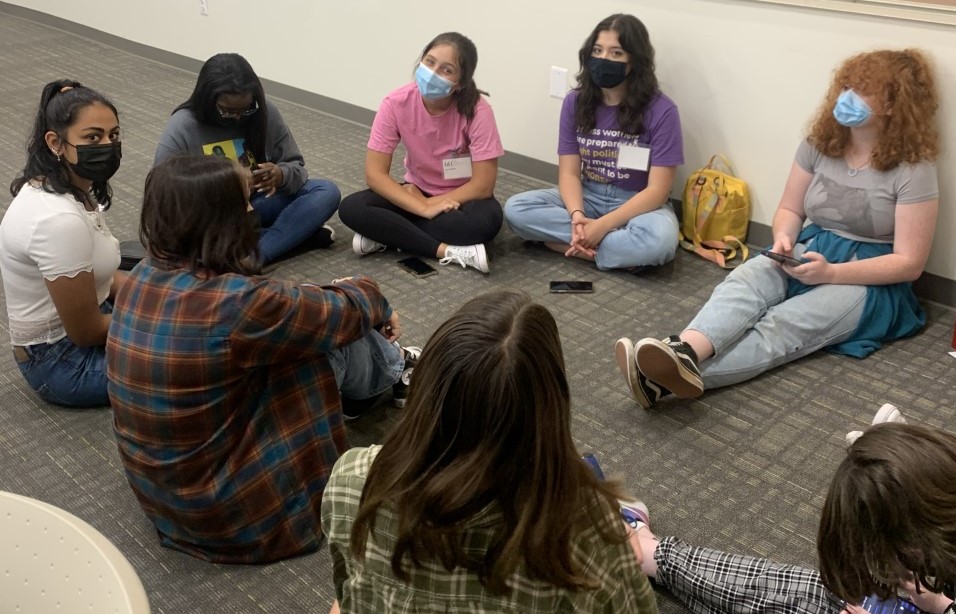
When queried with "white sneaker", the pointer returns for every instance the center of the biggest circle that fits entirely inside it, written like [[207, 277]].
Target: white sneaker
[[362, 246], [467, 255], [887, 413]]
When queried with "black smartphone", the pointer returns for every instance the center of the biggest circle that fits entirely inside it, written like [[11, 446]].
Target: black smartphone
[[787, 260], [417, 266], [571, 287], [893, 605]]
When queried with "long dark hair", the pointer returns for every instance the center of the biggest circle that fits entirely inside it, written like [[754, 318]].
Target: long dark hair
[[891, 512], [490, 399], [57, 112], [194, 214], [641, 82], [467, 55], [230, 73]]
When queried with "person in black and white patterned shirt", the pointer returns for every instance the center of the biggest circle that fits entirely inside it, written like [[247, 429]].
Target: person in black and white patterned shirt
[[888, 522]]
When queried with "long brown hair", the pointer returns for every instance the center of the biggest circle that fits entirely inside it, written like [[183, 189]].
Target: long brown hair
[[194, 214], [488, 423], [890, 514], [903, 83]]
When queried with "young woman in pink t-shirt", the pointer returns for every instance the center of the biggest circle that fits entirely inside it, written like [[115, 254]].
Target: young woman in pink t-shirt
[[445, 207]]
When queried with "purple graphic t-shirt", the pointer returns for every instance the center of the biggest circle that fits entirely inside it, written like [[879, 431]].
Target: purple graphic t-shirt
[[599, 148]]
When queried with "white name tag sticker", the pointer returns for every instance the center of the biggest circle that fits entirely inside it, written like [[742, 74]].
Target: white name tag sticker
[[457, 168], [636, 157]]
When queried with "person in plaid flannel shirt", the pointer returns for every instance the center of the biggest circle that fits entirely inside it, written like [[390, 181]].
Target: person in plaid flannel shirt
[[227, 387]]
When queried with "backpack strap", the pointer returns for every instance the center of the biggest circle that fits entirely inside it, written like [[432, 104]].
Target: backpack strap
[[718, 252]]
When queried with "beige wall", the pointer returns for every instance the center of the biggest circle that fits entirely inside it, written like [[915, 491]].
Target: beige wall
[[747, 76]]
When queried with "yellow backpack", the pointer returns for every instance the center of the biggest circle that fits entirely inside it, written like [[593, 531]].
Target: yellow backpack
[[716, 214]]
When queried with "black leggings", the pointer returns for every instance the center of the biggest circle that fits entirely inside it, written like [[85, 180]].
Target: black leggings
[[371, 215]]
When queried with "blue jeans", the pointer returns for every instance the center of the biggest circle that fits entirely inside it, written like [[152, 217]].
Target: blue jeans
[[646, 239], [754, 328], [368, 367], [66, 374], [289, 219]]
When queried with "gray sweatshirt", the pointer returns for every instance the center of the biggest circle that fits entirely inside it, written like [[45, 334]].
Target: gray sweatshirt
[[184, 134]]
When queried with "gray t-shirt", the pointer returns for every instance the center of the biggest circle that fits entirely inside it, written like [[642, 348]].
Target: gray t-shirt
[[184, 134], [861, 207]]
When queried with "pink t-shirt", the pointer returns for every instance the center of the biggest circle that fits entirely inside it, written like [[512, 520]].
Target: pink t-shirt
[[430, 139]]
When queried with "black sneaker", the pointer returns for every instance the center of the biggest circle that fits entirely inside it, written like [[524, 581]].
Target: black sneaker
[[645, 392], [400, 388], [670, 363], [356, 408], [321, 239]]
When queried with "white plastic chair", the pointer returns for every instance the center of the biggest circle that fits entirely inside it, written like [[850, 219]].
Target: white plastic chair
[[51, 561]]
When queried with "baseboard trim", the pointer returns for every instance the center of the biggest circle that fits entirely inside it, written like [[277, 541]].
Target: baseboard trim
[[928, 287]]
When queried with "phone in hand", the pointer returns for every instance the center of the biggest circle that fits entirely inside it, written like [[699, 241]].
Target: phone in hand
[[572, 287], [417, 266], [787, 260], [893, 605]]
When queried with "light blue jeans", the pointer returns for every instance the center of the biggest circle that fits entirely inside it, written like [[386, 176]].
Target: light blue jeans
[[66, 374], [647, 239], [368, 367], [754, 329], [289, 219]]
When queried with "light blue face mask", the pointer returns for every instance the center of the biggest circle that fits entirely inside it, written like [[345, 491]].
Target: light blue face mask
[[851, 110], [431, 85]]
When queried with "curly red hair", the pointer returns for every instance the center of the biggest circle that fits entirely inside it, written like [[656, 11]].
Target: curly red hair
[[903, 84]]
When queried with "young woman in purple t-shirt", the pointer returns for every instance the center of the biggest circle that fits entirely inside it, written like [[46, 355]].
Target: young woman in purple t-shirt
[[445, 206], [619, 147]]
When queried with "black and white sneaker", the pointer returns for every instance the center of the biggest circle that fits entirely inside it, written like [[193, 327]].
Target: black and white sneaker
[[645, 392], [400, 388], [352, 409], [670, 363]]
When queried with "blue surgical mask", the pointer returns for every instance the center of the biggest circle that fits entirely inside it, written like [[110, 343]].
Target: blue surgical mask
[[431, 85], [851, 110]]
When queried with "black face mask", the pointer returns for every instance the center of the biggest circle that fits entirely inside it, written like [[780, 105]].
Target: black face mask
[[97, 162], [607, 73]]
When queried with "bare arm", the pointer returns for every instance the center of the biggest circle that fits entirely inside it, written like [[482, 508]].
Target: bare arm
[[790, 215], [588, 234], [484, 174], [119, 278], [75, 302], [659, 182], [379, 179], [915, 225], [569, 183]]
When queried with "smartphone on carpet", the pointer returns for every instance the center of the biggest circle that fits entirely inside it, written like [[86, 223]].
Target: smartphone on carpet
[[417, 266], [572, 287]]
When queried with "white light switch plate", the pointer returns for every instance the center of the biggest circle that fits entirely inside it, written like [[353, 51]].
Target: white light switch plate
[[558, 87]]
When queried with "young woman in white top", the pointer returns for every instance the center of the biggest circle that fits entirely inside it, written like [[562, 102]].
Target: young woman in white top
[[58, 260]]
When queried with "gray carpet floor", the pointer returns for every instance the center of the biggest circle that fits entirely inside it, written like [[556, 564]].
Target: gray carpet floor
[[743, 468]]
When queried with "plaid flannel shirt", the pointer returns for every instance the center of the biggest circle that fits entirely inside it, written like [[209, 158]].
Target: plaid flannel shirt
[[226, 410], [370, 587]]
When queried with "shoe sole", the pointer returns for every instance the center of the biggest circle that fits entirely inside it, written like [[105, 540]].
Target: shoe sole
[[483, 261], [888, 413], [357, 245], [658, 363], [624, 353]]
